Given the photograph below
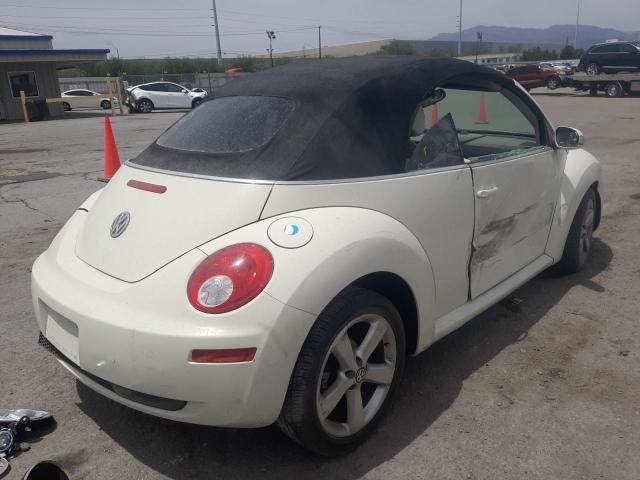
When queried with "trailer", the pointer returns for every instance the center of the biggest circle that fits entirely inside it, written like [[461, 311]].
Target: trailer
[[613, 85]]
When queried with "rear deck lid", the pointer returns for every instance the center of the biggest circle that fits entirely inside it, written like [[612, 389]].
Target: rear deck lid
[[161, 223]]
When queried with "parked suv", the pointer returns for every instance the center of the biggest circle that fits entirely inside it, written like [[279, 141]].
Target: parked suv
[[533, 76], [611, 58], [146, 97]]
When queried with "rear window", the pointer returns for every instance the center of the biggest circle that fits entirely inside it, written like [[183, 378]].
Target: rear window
[[229, 125]]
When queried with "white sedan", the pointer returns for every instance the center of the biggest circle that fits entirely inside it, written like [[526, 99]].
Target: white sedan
[[83, 98], [276, 254], [149, 96]]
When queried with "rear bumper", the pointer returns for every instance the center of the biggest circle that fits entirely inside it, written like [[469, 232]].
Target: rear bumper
[[132, 341]]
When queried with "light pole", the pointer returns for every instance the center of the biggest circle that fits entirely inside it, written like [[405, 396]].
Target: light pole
[[460, 31], [272, 35], [575, 39], [478, 44], [215, 25]]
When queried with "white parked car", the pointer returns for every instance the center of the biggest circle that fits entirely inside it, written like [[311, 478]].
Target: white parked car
[[277, 253], [149, 96], [83, 98]]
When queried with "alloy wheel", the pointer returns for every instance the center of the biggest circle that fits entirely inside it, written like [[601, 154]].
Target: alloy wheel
[[586, 230], [356, 375], [592, 69]]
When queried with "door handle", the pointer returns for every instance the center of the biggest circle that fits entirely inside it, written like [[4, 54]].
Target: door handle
[[486, 192]]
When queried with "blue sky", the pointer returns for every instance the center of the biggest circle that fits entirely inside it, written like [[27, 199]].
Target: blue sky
[[163, 27]]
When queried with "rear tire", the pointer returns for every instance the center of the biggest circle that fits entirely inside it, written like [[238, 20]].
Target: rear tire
[[613, 90], [66, 107], [554, 83], [592, 69], [346, 374], [578, 244]]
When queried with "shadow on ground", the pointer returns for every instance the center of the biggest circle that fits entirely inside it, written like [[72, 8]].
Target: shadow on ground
[[432, 382]]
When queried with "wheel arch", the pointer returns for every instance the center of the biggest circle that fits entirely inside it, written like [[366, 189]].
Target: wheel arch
[[398, 291], [582, 172], [147, 99]]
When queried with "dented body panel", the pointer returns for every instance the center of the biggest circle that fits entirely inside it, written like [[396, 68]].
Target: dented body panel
[[581, 171], [514, 206]]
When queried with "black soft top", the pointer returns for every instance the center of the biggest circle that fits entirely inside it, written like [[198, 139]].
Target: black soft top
[[350, 118]]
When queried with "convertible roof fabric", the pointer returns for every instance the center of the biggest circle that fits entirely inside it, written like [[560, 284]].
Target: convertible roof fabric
[[351, 119]]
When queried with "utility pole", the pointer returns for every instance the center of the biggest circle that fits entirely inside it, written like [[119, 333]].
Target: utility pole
[[272, 35], [460, 31], [575, 40], [319, 41], [215, 25], [478, 44]]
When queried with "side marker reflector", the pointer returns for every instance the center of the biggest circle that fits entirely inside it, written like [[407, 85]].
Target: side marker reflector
[[231, 355], [147, 187]]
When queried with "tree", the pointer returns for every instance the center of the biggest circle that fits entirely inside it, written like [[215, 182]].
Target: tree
[[397, 47], [570, 53]]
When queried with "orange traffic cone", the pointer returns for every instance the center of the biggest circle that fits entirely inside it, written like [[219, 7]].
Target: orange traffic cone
[[482, 113], [111, 157], [435, 116]]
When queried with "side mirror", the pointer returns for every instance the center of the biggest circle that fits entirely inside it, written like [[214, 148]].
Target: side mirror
[[436, 96], [185, 90], [569, 138]]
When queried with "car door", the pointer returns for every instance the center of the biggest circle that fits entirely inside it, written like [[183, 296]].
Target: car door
[[157, 93], [87, 99], [516, 176], [177, 96]]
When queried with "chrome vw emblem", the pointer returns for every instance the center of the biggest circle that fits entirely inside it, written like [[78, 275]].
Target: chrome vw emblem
[[361, 373], [120, 224]]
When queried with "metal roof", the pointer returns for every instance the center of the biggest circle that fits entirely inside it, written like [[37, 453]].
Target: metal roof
[[10, 33], [54, 52]]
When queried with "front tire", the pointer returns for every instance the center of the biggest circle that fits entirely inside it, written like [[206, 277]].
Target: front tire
[[578, 244], [105, 104], [145, 106], [196, 102], [346, 374]]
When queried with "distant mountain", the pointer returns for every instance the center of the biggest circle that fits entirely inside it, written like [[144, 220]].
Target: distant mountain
[[555, 35]]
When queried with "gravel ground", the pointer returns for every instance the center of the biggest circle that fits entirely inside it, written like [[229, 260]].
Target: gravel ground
[[544, 385]]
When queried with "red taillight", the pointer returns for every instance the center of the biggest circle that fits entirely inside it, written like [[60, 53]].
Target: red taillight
[[230, 278], [231, 355]]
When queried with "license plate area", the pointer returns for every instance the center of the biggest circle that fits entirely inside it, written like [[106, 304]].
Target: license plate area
[[62, 333]]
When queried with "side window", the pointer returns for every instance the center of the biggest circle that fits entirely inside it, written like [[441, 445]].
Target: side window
[[626, 48], [84, 93], [73, 93], [612, 48], [489, 125], [597, 49], [173, 88], [25, 81]]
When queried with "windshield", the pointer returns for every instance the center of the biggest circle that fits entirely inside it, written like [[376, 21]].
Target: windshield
[[228, 125]]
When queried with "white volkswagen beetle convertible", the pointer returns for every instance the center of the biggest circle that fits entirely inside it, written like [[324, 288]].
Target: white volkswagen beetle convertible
[[277, 253]]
